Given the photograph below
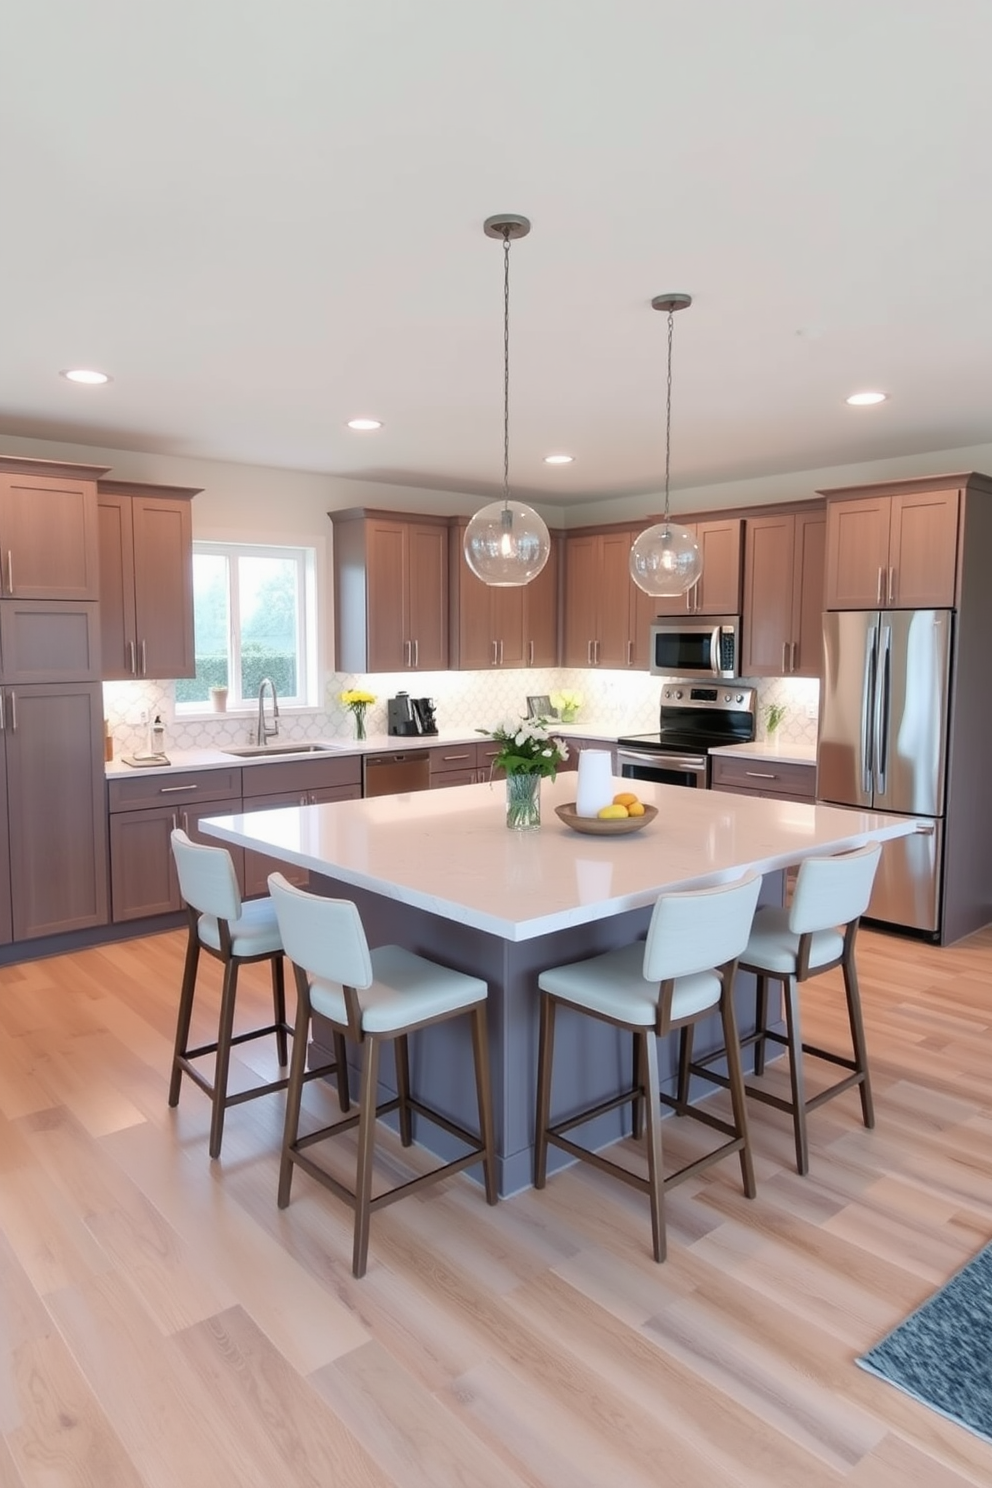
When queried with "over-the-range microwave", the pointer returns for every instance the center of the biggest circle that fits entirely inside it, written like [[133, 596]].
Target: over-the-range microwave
[[706, 647]]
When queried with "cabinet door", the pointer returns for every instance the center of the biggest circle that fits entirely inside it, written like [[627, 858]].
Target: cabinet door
[[58, 824], [472, 646], [508, 625], [923, 548], [807, 597], [857, 553], [427, 596], [117, 626], [142, 873], [49, 544], [386, 597], [540, 613], [718, 590], [163, 587], [615, 601], [769, 590], [676, 604], [6, 927], [49, 640], [582, 560]]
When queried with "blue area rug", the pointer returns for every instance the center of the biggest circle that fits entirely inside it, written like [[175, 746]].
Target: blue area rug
[[942, 1353]]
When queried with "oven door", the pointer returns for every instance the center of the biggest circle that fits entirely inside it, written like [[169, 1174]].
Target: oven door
[[664, 768]]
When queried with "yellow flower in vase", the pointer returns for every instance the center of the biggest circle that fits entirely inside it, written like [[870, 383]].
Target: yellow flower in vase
[[358, 702]]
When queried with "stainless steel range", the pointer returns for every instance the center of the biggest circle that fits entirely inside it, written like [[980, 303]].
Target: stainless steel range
[[693, 719]]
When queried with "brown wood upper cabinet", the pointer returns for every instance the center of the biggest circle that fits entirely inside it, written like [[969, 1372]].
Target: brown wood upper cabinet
[[607, 617], [390, 591], [892, 549], [48, 530], [146, 580], [718, 590], [497, 627], [783, 594]]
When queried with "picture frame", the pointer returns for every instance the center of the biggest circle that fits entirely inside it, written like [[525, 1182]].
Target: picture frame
[[539, 706]]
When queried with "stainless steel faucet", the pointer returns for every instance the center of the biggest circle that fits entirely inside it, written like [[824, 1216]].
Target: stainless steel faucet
[[266, 731]]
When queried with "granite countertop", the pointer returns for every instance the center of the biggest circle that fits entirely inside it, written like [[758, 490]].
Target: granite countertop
[[450, 853], [781, 752], [220, 759]]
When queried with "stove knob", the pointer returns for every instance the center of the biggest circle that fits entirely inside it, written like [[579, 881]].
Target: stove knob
[[679, 693], [740, 697], [726, 697], [668, 692]]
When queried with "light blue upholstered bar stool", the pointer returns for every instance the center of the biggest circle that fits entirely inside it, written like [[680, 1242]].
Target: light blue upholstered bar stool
[[373, 997], [682, 972], [790, 945], [236, 933]]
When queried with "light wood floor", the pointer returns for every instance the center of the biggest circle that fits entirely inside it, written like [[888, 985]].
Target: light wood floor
[[165, 1324]]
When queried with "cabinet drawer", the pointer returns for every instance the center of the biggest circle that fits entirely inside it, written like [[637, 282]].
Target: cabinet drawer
[[302, 775], [177, 789], [767, 777]]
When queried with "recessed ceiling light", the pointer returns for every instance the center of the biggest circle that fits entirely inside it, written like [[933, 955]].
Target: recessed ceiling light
[[364, 423], [862, 400], [85, 374], [558, 459]]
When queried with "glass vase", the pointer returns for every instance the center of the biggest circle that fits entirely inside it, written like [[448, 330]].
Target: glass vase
[[523, 802], [359, 723]]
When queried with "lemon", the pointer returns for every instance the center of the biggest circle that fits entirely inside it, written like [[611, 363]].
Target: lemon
[[614, 812], [625, 798], [635, 808]]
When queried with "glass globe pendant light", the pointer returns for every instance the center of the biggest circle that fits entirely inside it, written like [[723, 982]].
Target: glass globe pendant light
[[665, 560], [506, 543]]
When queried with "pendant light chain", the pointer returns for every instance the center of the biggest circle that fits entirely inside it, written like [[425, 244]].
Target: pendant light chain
[[668, 411], [506, 365]]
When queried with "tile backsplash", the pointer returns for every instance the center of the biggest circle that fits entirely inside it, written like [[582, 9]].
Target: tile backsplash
[[617, 702]]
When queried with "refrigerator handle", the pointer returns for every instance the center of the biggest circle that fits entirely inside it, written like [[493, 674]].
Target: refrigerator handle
[[882, 690], [867, 708]]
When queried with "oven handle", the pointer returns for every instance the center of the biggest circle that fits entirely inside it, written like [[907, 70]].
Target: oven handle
[[664, 761]]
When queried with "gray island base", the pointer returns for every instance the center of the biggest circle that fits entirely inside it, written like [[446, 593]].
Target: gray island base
[[439, 872]]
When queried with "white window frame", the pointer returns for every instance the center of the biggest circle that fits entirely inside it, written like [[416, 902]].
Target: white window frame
[[305, 557]]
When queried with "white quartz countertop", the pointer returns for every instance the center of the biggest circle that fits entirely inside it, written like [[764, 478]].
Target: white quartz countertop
[[220, 759], [449, 851], [781, 752]]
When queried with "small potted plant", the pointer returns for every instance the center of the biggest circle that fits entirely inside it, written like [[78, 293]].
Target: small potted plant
[[567, 704]]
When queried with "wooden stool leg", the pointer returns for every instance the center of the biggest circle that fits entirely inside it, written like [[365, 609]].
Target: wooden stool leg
[[858, 1040], [545, 1059], [738, 1095], [341, 1071], [685, 1060], [797, 1073], [484, 1089], [637, 1104], [222, 1067], [366, 1148], [656, 1179], [760, 1023], [279, 1008], [401, 1052], [294, 1090], [185, 1014]]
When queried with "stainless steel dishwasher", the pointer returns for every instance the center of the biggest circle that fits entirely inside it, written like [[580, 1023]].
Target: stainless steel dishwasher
[[394, 774]]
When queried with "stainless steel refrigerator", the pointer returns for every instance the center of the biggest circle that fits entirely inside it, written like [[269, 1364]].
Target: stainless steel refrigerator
[[883, 735]]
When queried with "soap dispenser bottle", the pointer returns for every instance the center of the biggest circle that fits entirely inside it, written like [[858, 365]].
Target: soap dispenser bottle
[[156, 737]]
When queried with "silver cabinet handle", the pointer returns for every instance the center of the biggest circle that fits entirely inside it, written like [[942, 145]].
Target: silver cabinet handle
[[501, 653], [416, 653], [630, 653], [185, 822], [493, 644], [3, 725], [761, 774], [794, 647], [785, 656], [878, 588], [133, 666], [175, 790], [13, 711], [175, 822], [407, 654], [589, 652], [10, 571], [144, 660], [892, 585], [530, 653]]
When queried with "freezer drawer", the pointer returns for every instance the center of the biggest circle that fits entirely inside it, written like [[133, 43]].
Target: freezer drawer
[[907, 884]]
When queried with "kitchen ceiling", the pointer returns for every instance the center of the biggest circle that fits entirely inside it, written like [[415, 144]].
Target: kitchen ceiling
[[263, 220]]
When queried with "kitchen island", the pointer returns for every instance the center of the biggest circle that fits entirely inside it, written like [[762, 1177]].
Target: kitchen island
[[439, 872]]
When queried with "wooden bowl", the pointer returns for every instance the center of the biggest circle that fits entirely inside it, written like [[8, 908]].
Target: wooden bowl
[[599, 826]]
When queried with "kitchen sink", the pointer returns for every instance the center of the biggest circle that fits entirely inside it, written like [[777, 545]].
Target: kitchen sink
[[263, 751]]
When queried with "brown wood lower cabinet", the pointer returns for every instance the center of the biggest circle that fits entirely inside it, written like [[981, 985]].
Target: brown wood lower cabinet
[[296, 783], [144, 811], [792, 780], [464, 764]]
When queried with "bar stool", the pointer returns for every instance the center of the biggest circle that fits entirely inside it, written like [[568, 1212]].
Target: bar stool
[[236, 933], [814, 934], [680, 974], [373, 997]]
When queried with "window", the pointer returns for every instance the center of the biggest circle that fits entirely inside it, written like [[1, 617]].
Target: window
[[254, 610]]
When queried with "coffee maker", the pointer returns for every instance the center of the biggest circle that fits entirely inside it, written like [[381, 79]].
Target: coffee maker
[[407, 716]]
